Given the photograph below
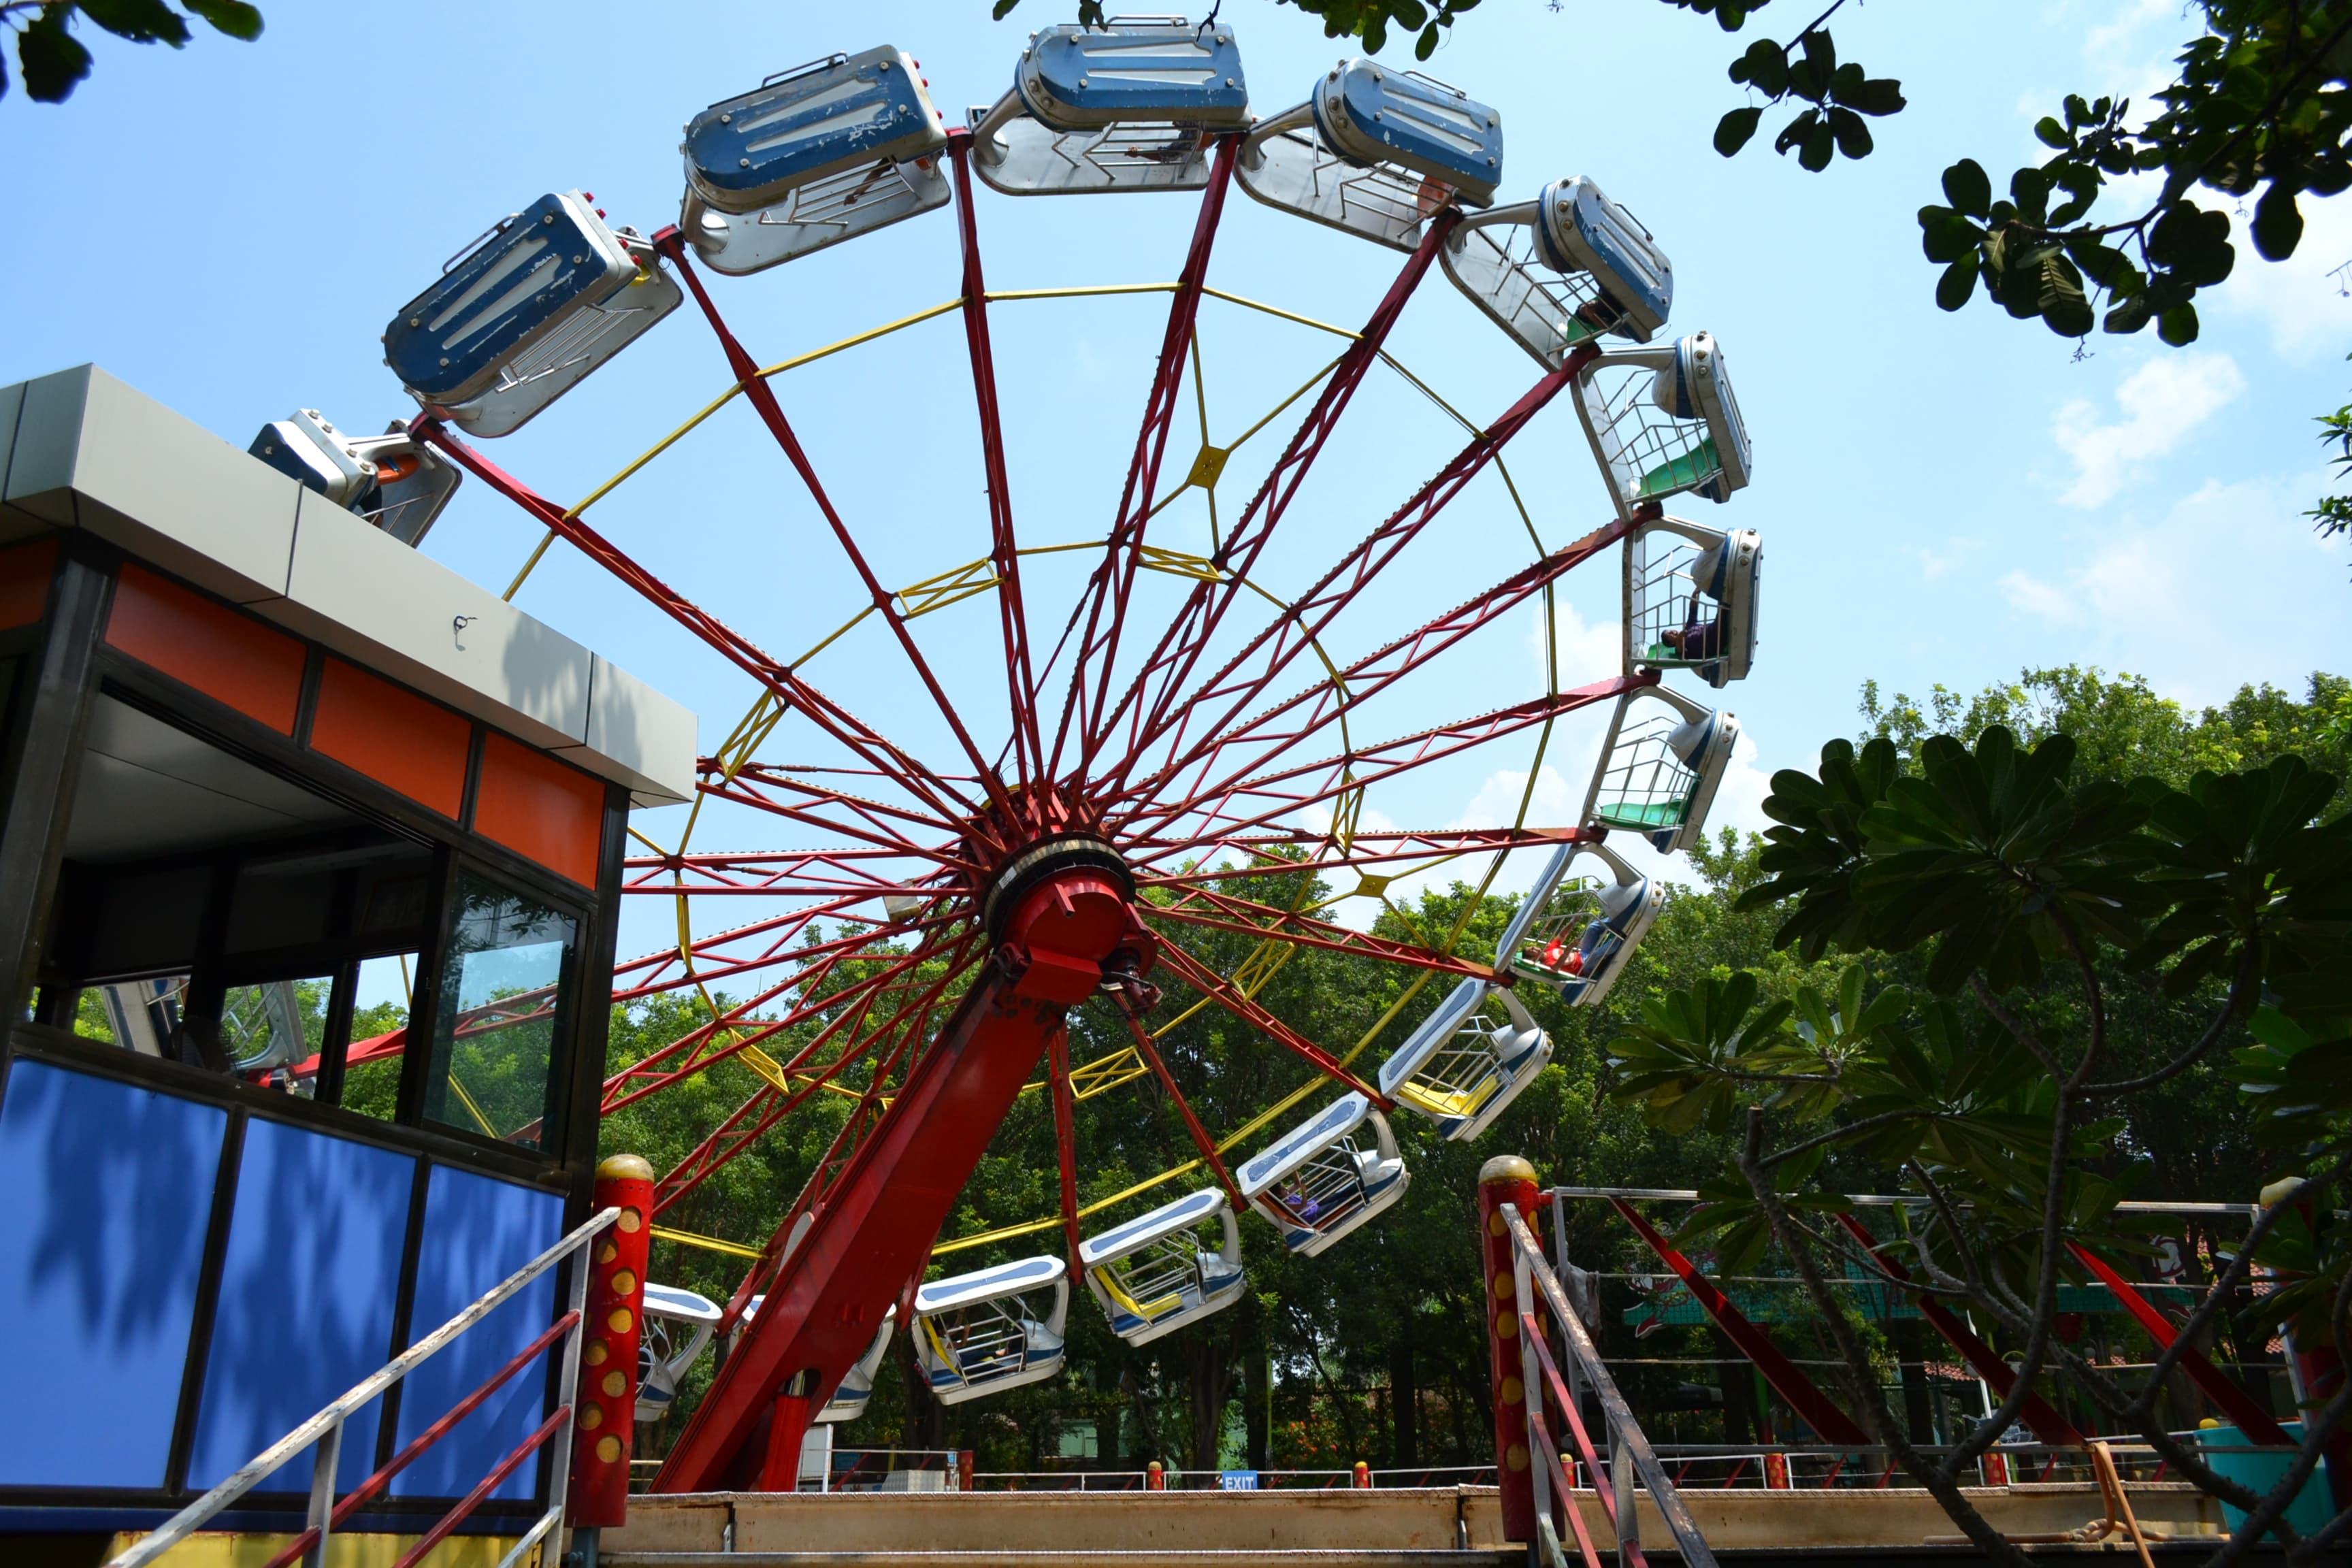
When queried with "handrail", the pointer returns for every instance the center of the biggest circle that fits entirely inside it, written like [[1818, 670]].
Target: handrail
[[1899, 1200], [1631, 1455], [326, 1428]]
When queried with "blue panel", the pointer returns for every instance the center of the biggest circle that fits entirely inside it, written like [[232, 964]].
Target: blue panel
[[308, 1287], [98, 1261], [848, 112], [477, 1231], [1074, 78], [1371, 113]]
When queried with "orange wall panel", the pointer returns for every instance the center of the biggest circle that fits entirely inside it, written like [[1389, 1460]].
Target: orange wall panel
[[540, 808], [392, 735], [210, 647], [25, 575]]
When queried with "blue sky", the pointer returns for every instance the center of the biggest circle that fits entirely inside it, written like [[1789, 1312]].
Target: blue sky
[[1942, 497]]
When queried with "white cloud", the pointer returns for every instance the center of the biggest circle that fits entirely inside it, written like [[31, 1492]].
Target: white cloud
[[2305, 310], [2162, 402], [2031, 595], [1587, 651]]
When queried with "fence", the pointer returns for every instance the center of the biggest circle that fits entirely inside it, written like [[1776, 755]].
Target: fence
[[323, 1433]]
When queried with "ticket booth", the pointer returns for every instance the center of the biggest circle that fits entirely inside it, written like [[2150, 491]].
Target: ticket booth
[[309, 865]]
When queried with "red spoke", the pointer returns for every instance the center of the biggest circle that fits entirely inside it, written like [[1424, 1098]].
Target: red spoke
[[1199, 1134], [831, 874], [763, 398], [764, 1110], [1368, 677], [796, 694], [776, 940], [1065, 1139], [1003, 552], [1335, 776], [1204, 906], [1362, 850], [1187, 638], [1114, 578], [742, 791], [1209, 983], [1273, 649]]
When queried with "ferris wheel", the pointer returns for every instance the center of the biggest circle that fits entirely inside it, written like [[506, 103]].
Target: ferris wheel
[[939, 917]]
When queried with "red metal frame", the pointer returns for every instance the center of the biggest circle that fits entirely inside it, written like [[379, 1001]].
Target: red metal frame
[[1193, 1128], [2258, 1424], [1787, 1380]]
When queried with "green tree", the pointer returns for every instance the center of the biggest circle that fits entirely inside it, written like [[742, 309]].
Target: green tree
[[53, 62]]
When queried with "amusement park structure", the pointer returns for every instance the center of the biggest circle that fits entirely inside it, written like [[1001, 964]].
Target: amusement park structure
[[938, 918]]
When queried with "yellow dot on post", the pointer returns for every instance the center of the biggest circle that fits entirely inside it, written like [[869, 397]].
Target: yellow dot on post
[[1514, 1391], [620, 1322], [617, 1382], [1507, 1324], [607, 1253], [1505, 1287], [1494, 1222], [596, 1353], [632, 1221], [1516, 1458], [593, 1418], [608, 1448], [624, 1283]]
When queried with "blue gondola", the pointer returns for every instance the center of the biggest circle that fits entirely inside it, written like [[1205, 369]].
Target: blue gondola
[[1325, 1178], [1154, 1275], [1574, 934], [678, 1324], [1691, 598], [992, 1329], [849, 1400], [842, 114], [526, 313], [1561, 270], [1375, 152], [1663, 422], [1660, 767], [395, 482], [1466, 1063], [1130, 106]]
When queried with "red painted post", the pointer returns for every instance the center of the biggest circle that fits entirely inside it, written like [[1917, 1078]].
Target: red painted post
[[1363, 1476], [1776, 1471], [1155, 1479], [1507, 1179], [607, 1398], [1996, 1468], [963, 1466]]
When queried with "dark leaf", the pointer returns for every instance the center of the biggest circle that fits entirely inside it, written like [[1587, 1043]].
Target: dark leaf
[[2278, 223], [1852, 131], [2030, 189], [1426, 45], [51, 59], [1734, 129], [1765, 68], [1959, 282], [1820, 52], [1945, 235], [1968, 188], [2051, 133], [1821, 146], [1376, 33], [2177, 326], [1876, 95], [235, 18], [1409, 13], [1796, 131], [140, 21]]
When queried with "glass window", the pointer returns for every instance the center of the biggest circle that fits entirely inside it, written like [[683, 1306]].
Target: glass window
[[271, 1033], [502, 977], [379, 1034]]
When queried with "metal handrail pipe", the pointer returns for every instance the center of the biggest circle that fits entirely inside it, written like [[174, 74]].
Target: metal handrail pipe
[[1625, 1433], [193, 1516], [1899, 1199]]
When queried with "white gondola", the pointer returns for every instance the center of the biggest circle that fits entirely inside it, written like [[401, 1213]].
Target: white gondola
[[1131, 106], [1376, 152], [985, 1332], [849, 1400], [526, 313], [814, 155], [1662, 421], [1660, 767], [1575, 932], [677, 1325], [1324, 1178], [1563, 270], [1690, 599], [395, 482], [1469, 1059], [1155, 1274]]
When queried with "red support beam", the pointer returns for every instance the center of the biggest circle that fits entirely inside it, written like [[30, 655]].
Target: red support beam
[[1210, 984], [1066, 1138], [2039, 1413], [1830, 1423], [2258, 1424], [1206, 1145]]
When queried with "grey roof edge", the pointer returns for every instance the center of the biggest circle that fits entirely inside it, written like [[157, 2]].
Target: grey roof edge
[[83, 450]]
